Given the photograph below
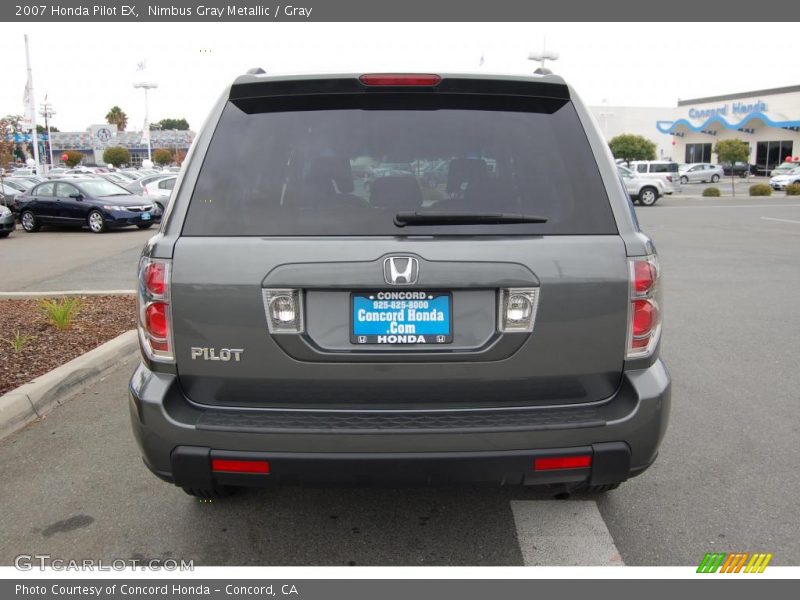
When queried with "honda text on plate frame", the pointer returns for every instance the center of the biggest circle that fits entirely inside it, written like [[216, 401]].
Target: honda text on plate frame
[[416, 286]]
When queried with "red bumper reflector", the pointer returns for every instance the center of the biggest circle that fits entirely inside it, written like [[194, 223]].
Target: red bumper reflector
[[555, 463], [239, 466], [400, 79]]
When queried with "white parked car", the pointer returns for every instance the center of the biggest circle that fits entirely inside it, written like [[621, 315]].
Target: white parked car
[[664, 170], [161, 187], [700, 173], [643, 190], [779, 182]]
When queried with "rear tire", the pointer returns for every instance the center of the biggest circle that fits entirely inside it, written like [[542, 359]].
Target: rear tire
[[684, 180], [585, 489], [210, 493], [29, 222], [648, 196], [714, 178], [144, 225], [4, 234]]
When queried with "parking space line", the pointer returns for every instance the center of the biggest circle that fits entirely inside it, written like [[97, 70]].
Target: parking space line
[[780, 220], [563, 532]]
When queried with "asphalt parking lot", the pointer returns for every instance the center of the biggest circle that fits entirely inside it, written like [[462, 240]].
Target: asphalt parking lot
[[726, 479], [66, 259]]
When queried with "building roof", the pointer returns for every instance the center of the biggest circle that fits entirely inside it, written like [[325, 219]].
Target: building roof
[[769, 92]]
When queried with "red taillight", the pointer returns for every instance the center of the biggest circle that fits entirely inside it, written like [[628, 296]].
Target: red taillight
[[669, 177], [155, 320], [645, 318], [555, 463], [419, 79], [154, 279], [240, 466], [644, 276]]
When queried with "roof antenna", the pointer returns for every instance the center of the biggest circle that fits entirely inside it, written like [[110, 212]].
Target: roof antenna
[[256, 71]]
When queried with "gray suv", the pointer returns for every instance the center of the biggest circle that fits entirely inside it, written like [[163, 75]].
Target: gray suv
[[302, 320]]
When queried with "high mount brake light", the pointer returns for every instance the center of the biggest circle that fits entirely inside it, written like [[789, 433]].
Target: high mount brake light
[[400, 80], [644, 321]]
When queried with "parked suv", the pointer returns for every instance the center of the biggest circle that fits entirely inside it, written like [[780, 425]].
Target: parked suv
[[644, 191], [297, 325], [665, 170]]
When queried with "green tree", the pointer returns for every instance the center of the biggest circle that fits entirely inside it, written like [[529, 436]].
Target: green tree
[[40, 129], [7, 146], [162, 156], [732, 151], [73, 158], [116, 155], [632, 147], [179, 124], [116, 116]]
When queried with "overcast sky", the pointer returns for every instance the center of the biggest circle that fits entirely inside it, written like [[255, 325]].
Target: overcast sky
[[86, 68]]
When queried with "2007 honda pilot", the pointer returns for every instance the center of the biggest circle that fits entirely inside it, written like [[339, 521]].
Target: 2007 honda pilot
[[318, 308]]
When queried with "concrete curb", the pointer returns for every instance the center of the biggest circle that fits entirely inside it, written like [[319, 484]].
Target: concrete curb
[[36, 398], [27, 295]]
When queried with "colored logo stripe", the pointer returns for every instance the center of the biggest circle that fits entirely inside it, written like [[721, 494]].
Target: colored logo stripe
[[734, 562]]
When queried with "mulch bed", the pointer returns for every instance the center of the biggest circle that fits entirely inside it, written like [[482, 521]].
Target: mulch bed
[[100, 319]]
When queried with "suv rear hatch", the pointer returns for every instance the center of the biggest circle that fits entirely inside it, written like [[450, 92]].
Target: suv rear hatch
[[317, 246]]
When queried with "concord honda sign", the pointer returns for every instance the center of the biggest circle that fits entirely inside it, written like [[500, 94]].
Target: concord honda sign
[[735, 108]]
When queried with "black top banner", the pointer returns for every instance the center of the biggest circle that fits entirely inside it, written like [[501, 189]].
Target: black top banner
[[673, 12]]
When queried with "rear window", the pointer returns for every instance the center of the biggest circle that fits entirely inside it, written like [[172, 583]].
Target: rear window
[[664, 167], [349, 170]]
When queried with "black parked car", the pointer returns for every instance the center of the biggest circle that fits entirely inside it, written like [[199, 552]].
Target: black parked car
[[739, 168], [95, 202]]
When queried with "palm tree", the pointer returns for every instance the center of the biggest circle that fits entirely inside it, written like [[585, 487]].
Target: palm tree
[[117, 117]]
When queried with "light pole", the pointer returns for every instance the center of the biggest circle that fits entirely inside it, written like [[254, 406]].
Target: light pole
[[146, 86], [47, 112], [543, 56]]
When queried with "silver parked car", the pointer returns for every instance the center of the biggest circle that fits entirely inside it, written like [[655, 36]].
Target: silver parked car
[[6, 221], [700, 173]]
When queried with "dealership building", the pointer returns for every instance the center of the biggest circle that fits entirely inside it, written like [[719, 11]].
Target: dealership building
[[768, 120], [92, 142]]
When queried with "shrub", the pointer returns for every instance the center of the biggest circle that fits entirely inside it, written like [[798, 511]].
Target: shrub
[[793, 189], [117, 156], [60, 312], [73, 158], [162, 156], [760, 189], [711, 192]]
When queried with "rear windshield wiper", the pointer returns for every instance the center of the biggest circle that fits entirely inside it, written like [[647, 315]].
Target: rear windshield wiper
[[402, 219]]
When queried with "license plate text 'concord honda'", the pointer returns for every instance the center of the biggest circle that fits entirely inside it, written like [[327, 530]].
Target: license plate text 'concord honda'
[[319, 307]]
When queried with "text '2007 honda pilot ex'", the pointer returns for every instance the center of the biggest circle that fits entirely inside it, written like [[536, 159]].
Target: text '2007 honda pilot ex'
[[318, 308]]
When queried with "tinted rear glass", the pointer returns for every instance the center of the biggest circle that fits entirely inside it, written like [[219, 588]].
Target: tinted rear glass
[[349, 170], [664, 168]]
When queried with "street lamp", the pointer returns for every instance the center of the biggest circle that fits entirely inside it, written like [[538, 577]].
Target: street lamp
[[47, 112], [146, 86], [541, 57]]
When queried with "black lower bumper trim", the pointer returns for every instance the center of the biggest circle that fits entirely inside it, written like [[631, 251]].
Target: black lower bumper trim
[[191, 467]]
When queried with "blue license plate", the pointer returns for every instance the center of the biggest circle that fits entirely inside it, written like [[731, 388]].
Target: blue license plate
[[407, 317], [145, 216]]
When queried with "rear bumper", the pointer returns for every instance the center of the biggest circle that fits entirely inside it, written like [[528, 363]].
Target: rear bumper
[[179, 439]]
